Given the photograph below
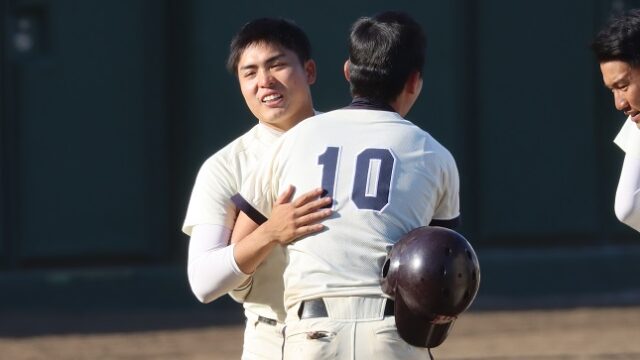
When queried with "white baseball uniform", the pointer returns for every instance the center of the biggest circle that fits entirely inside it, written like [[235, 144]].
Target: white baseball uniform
[[212, 268], [627, 202], [386, 177], [628, 139]]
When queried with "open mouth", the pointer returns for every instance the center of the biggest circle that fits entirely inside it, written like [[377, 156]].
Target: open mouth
[[271, 98], [633, 115]]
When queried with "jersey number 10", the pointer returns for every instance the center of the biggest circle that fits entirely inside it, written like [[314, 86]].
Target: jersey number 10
[[372, 179]]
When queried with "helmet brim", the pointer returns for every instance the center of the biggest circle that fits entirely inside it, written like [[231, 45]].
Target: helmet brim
[[420, 330]]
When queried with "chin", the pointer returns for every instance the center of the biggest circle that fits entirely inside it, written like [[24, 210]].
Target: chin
[[275, 117]]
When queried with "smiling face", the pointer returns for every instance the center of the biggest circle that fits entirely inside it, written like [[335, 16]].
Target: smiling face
[[624, 81], [275, 85]]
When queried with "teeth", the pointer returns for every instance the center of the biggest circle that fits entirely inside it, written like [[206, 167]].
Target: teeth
[[271, 97]]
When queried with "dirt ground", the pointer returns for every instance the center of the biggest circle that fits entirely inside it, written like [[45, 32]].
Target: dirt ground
[[578, 333]]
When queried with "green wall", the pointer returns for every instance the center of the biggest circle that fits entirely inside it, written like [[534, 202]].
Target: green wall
[[107, 116]]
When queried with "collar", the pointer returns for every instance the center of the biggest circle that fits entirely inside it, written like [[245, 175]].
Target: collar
[[367, 104]]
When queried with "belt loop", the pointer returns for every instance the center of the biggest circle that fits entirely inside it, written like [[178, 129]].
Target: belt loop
[[267, 321]]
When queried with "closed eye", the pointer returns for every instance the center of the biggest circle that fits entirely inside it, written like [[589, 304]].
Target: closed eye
[[278, 65]]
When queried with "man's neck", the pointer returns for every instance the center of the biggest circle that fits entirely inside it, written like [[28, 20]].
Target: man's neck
[[364, 103]]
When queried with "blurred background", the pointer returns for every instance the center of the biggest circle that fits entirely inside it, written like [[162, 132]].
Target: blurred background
[[108, 108]]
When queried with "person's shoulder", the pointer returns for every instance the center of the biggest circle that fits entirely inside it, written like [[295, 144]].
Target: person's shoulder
[[410, 127], [259, 136], [310, 124], [629, 127], [628, 139], [429, 143], [318, 116], [229, 153], [320, 119]]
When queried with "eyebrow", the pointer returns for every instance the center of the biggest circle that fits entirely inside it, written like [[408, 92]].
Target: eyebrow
[[272, 59]]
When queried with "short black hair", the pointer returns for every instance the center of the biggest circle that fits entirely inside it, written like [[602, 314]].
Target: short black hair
[[384, 50], [279, 31], [619, 39]]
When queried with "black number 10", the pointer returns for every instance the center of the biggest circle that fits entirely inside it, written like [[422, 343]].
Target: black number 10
[[372, 180]]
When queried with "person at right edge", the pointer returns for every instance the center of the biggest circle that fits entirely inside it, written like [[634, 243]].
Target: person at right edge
[[385, 175], [617, 49]]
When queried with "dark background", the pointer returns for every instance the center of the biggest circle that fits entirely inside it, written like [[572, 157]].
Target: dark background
[[108, 108]]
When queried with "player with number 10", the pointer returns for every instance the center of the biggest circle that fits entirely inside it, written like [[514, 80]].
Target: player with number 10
[[386, 176]]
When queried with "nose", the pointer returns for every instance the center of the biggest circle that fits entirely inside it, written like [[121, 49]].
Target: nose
[[621, 102], [265, 79]]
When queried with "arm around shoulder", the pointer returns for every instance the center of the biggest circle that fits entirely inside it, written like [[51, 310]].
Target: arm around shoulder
[[289, 221]]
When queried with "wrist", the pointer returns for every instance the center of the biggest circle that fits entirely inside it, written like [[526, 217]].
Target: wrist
[[265, 236]]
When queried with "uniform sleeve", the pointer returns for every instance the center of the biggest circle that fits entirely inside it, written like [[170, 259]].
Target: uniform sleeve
[[628, 139], [627, 202], [211, 268], [210, 201], [447, 212], [240, 293]]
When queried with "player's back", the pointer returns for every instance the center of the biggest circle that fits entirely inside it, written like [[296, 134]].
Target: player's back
[[386, 177]]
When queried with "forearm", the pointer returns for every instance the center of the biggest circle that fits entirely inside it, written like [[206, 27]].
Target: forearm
[[211, 267], [252, 244], [288, 221], [627, 203]]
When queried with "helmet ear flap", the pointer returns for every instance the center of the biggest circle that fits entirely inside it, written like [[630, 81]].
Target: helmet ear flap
[[391, 267], [385, 267], [387, 280]]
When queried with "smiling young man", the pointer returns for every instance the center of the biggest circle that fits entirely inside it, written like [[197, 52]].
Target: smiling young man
[[275, 89], [272, 61], [617, 48]]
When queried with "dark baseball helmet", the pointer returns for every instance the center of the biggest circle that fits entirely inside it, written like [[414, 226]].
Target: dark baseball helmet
[[433, 275]]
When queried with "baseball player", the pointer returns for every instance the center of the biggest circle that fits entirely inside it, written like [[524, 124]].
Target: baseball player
[[271, 58], [385, 175], [617, 48]]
